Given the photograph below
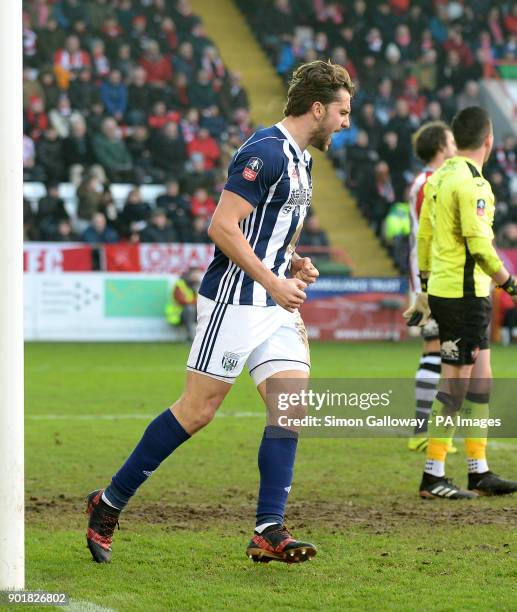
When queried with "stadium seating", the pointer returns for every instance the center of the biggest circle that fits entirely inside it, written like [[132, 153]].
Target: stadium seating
[[94, 107]]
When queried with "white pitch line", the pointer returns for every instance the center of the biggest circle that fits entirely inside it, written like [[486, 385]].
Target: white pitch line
[[115, 368], [493, 444], [137, 416], [86, 606]]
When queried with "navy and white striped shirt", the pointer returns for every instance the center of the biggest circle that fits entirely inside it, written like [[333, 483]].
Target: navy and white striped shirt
[[274, 176]]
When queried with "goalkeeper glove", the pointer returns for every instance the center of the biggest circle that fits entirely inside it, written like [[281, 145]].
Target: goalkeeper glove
[[419, 313]]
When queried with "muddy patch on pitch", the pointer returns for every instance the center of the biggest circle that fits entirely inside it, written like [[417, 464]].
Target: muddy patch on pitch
[[336, 517]]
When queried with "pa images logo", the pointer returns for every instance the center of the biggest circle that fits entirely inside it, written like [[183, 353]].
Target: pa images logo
[[229, 361]]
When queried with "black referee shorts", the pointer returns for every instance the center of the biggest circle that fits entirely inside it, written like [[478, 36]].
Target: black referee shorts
[[463, 327]]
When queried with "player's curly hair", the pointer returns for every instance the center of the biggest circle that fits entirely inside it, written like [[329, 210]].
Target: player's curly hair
[[429, 139], [316, 81]]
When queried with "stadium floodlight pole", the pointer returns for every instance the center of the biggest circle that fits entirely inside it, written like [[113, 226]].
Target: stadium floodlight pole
[[12, 557]]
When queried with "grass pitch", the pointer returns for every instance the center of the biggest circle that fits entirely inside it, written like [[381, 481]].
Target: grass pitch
[[182, 539]]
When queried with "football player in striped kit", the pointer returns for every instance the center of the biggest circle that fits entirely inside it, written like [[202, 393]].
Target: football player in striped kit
[[248, 312], [433, 143]]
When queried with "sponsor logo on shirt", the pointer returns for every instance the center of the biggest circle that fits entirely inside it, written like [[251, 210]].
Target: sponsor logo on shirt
[[480, 207], [252, 168], [299, 198]]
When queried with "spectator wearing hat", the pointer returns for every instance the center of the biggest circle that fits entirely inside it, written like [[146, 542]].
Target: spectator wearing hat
[[394, 69]]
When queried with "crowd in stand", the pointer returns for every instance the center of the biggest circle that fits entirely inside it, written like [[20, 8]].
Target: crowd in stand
[[412, 62], [126, 91], [134, 91]]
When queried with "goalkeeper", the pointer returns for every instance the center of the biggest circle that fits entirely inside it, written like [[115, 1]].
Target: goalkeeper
[[457, 262], [433, 143]]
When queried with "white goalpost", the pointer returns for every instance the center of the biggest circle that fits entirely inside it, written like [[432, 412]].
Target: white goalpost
[[12, 558]]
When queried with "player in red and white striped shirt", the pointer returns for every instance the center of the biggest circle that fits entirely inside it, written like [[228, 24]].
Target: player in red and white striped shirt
[[433, 143]]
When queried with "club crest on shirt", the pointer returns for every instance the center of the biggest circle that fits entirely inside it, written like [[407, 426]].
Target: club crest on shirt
[[252, 168], [229, 361], [480, 207]]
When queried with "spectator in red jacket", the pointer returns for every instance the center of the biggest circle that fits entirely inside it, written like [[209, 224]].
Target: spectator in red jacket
[[202, 205], [456, 43], [161, 116], [157, 66], [37, 118], [205, 144], [510, 21], [416, 101]]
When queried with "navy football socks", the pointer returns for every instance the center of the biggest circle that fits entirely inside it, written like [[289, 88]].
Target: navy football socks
[[160, 439], [276, 457]]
